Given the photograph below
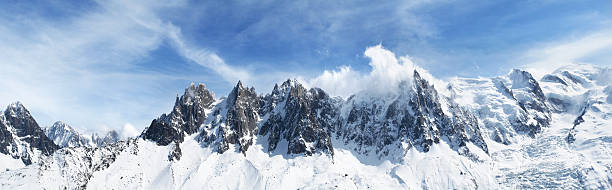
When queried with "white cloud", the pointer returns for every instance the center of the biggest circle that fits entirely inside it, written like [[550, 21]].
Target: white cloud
[[129, 130], [387, 72]]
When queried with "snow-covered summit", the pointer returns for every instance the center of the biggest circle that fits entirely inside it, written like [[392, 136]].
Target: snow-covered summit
[[65, 136]]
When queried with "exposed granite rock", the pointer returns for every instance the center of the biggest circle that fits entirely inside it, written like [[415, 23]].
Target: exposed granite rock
[[188, 115], [21, 137], [414, 116], [234, 120], [303, 118]]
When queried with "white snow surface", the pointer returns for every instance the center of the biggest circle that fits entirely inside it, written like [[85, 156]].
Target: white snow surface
[[200, 168]]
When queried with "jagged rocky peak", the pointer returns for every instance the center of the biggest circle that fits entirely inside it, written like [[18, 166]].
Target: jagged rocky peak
[[198, 94], [303, 119], [416, 117], [241, 105], [21, 137], [439, 117], [188, 114]]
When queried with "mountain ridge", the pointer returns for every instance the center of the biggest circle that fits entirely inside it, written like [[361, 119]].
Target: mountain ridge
[[463, 126]]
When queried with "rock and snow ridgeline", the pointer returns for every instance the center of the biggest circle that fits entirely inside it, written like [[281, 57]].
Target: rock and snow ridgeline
[[458, 131], [64, 135]]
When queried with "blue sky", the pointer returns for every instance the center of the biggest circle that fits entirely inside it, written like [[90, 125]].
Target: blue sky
[[117, 64]]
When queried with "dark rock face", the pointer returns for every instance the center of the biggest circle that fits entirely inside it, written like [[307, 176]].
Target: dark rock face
[[414, 116], [235, 120], [19, 129], [305, 121], [175, 153], [243, 105], [303, 118], [7, 145], [185, 119], [364, 128], [532, 100], [553, 78]]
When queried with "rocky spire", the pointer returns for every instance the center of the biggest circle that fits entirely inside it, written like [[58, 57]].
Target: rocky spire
[[304, 118], [413, 118], [188, 115], [235, 121]]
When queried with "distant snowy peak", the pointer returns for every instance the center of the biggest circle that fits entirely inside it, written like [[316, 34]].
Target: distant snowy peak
[[583, 90], [65, 136], [574, 84], [507, 106], [109, 137], [21, 137]]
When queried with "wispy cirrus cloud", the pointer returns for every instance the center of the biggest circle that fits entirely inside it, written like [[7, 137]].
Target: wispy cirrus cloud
[[547, 57], [85, 67]]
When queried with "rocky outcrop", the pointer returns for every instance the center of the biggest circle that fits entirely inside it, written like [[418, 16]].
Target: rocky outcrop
[[301, 118], [234, 121], [526, 90], [21, 137], [294, 120], [413, 117], [188, 115]]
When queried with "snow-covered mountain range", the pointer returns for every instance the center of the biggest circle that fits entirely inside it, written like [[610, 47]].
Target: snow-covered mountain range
[[506, 132], [64, 135]]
